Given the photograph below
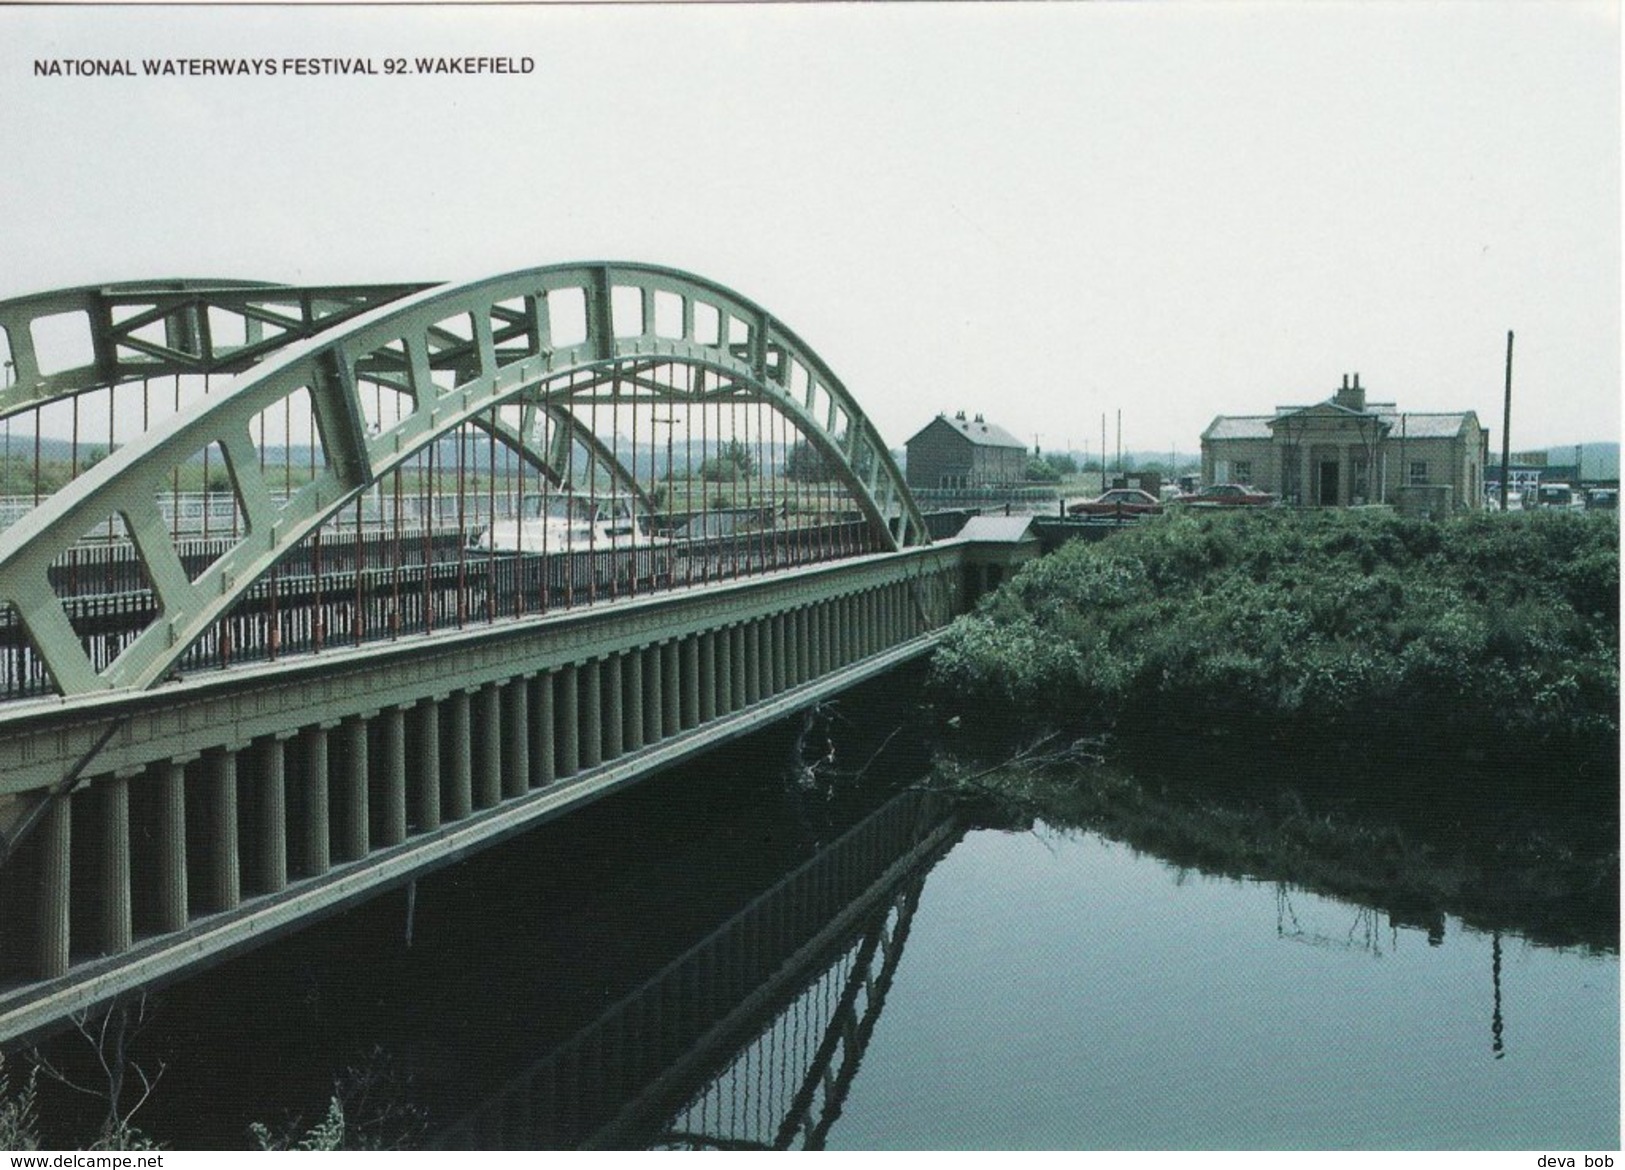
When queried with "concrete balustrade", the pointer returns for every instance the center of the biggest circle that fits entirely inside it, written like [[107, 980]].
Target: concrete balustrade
[[286, 810]]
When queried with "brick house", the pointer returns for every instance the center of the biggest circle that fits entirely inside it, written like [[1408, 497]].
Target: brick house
[[960, 454]]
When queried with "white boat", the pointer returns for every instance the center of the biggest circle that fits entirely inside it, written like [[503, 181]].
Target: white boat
[[565, 522]]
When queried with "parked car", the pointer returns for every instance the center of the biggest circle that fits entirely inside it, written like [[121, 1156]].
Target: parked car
[[1228, 495], [1118, 502], [1555, 494], [1606, 498]]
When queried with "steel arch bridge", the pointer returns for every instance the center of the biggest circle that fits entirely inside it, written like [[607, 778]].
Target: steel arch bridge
[[378, 377]]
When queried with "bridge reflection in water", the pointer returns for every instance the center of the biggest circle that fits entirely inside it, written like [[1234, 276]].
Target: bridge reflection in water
[[750, 1039]]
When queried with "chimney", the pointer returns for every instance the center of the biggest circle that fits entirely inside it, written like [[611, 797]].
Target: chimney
[[1351, 397]]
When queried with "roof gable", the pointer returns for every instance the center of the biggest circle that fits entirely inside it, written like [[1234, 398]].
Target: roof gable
[[977, 431]]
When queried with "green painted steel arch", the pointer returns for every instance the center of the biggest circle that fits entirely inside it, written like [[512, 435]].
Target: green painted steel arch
[[454, 353]]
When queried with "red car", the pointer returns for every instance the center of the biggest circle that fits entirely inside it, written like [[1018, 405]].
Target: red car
[[1228, 495], [1118, 502]]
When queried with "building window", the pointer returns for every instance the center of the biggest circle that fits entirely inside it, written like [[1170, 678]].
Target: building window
[[1361, 489], [1419, 471], [1290, 475], [1243, 469]]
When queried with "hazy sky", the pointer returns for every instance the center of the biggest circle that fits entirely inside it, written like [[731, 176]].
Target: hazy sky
[[1041, 213]]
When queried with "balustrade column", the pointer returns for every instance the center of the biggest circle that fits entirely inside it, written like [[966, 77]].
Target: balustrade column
[[488, 759], [170, 829], [317, 859], [114, 815], [271, 811], [53, 935], [753, 663], [354, 814], [516, 753], [795, 651], [671, 717], [826, 641], [392, 772], [654, 701], [708, 676], [569, 701], [592, 713], [224, 872], [725, 671], [632, 678], [427, 764], [614, 707], [460, 802], [691, 681], [840, 628], [487, 752], [736, 658], [781, 652], [543, 760]]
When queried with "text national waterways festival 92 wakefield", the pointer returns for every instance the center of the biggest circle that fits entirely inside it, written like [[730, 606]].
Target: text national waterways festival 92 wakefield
[[277, 66]]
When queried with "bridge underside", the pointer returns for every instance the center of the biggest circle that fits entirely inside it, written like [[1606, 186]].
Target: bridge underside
[[306, 590]]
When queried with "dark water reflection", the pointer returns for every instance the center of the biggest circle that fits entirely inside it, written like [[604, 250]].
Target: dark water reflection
[[773, 949]]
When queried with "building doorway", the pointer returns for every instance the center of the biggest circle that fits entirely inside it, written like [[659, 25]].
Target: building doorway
[[1326, 492]]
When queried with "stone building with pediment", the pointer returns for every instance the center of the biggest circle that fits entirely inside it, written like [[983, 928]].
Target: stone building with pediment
[[1345, 452]]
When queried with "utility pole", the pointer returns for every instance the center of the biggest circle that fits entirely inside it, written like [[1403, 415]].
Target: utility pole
[[1103, 449], [1506, 427]]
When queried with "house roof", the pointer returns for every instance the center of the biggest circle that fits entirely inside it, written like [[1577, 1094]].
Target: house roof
[[998, 529], [978, 431], [1414, 424]]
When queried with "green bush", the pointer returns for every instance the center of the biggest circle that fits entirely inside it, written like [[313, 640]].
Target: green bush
[[1487, 632]]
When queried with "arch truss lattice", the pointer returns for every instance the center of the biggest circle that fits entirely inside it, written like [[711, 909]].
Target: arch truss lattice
[[384, 374]]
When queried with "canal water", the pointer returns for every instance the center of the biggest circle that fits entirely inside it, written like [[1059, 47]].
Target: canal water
[[787, 943]]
